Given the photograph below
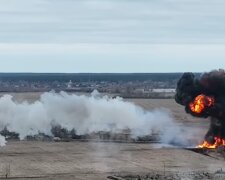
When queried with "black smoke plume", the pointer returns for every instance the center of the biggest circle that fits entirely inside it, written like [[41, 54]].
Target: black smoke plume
[[210, 84]]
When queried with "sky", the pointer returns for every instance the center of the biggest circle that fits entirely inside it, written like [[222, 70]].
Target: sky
[[75, 36]]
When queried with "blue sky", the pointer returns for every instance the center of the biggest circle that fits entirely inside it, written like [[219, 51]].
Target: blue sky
[[112, 35]]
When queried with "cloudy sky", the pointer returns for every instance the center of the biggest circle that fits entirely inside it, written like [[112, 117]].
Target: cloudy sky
[[112, 35]]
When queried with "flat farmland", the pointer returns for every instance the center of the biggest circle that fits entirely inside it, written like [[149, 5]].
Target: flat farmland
[[88, 160]]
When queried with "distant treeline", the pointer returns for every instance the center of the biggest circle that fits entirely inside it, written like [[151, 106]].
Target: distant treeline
[[87, 77]]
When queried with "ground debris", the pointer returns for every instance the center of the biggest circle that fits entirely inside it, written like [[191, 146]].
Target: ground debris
[[115, 178], [200, 175]]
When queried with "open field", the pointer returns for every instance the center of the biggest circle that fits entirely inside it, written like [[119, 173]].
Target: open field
[[89, 160], [83, 160]]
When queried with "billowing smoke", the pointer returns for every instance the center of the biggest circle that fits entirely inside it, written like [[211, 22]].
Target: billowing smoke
[[211, 85], [84, 114], [2, 141]]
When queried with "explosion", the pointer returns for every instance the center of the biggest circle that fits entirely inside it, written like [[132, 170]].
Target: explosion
[[204, 96], [200, 103]]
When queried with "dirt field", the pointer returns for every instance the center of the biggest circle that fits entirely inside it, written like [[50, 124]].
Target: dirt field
[[83, 160], [89, 160]]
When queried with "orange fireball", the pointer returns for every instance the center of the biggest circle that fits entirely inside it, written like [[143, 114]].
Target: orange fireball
[[200, 103]]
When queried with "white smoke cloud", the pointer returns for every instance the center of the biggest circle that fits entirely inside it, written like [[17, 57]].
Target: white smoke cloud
[[85, 114], [2, 141]]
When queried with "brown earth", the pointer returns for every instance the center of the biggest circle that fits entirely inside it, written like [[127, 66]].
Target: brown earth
[[86, 160]]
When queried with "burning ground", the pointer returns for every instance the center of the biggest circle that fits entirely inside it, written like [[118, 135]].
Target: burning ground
[[205, 97]]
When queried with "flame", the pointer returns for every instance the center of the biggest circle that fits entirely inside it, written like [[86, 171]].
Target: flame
[[200, 103], [218, 142]]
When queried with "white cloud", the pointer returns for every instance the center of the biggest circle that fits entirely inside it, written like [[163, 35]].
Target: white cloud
[[140, 35], [111, 57], [96, 48], [112, 21]]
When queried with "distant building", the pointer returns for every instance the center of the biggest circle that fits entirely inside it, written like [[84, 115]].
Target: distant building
[[69, 84]]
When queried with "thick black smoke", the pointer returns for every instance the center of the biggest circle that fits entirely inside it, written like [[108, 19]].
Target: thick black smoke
[[211, 84]]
